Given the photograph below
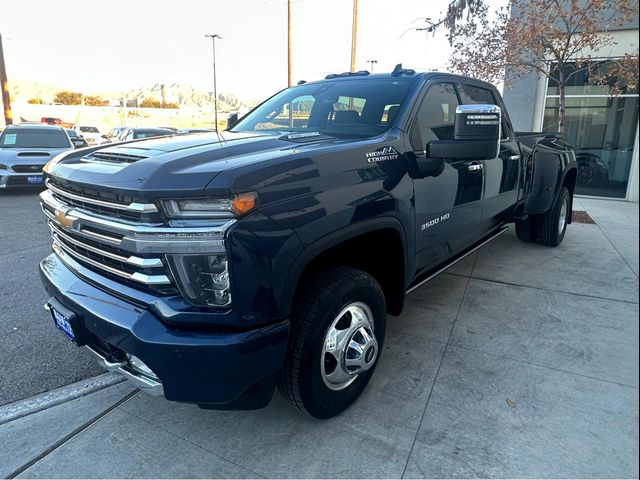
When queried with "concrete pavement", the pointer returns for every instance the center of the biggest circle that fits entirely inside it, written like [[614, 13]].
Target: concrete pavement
[[521, 361]]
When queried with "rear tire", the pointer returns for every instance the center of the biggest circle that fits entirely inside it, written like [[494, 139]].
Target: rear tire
[[337, 332], [553, 224], [527, 230]]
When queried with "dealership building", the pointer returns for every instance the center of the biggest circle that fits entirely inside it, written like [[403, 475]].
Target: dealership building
[[603, 128]]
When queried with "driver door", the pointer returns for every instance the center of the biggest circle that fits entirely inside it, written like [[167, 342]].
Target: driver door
[[447, 207]]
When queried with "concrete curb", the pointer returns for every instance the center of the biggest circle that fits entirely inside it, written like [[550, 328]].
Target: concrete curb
[[22, 408]]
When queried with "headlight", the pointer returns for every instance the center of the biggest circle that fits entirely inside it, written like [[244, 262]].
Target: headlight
[[211, 207], [202, 279]]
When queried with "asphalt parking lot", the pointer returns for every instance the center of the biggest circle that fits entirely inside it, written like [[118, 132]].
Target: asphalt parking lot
[[521, 361], [34, 358]]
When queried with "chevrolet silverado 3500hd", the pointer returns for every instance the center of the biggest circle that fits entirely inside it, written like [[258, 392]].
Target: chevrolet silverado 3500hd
[[210, 268]]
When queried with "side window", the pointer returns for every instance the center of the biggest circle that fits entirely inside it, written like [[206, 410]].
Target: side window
[[436, 117], [475, 95]]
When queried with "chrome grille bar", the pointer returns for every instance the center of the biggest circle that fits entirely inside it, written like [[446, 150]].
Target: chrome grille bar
[[136, 277], [132, 207], [132, 260]]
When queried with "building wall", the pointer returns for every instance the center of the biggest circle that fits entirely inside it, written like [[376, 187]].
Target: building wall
[[525, 99]]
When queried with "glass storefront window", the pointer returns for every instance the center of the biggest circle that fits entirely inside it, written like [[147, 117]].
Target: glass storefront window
[[602, 129]]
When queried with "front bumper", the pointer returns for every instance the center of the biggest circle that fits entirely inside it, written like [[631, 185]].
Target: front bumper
[[18, 180], [219, 369]]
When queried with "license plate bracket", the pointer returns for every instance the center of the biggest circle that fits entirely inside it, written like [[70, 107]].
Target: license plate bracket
[[66, 321], [35, 179]]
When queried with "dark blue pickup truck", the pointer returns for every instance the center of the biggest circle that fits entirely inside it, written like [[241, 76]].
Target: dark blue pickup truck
[[210, 268]]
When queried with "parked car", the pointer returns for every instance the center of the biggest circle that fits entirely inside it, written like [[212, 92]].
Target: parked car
[[139, 133], [209, 268], [24, 151], [91, 134], [112, 136], [77, 140]]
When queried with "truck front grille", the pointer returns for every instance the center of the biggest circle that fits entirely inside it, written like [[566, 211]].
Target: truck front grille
[[91, 231], [100, 251]]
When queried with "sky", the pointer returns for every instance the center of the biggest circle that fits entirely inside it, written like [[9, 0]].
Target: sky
[[97, 46]]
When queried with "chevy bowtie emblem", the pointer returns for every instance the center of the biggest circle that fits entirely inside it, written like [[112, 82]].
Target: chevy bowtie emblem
[[65, 221]]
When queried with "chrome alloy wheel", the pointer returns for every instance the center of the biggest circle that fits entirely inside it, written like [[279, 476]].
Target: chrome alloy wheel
[[349, 347], [562, 221]]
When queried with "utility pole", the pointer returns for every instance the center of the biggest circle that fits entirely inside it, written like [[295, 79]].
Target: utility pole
[[354, 34], [372, 62], [215, 87], [289, 42], [4, 86]]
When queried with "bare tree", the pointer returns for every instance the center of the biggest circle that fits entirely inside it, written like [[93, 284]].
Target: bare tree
[[555, 38]]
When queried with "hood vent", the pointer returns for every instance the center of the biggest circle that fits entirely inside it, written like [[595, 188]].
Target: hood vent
[[115, 156], [34, 154]]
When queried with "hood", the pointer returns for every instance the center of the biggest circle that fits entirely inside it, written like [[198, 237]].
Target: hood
[[180, 165], [28, 156]]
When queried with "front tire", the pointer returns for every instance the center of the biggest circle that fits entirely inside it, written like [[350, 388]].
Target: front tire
[[337, 331], [553, 224]]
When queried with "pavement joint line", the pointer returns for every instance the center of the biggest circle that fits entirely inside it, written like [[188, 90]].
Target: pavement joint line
[[538, 365], [616, 249], [435, 379], [52, 398], [222, 457], [71, 435], [564, 292]]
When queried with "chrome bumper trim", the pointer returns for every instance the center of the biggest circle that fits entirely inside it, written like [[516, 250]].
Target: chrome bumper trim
[[144, 383]]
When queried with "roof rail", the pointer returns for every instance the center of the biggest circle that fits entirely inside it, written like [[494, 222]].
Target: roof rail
[[398, 70], [360, 73]]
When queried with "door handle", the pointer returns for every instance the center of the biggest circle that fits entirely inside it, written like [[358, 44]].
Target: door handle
[[514, 157], [475, 167]]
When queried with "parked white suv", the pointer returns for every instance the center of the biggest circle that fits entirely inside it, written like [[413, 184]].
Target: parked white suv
[[91, 134]]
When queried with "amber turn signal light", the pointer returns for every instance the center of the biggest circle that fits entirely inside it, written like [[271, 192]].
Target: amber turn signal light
[[244, 203]]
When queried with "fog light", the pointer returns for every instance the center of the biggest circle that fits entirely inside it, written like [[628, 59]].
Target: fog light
[[202, 279]]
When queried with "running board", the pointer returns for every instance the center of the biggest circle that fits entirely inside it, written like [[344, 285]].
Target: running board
[[433, 273]]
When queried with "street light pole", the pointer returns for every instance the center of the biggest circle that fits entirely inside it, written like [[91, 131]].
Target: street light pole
[[289, 43], [372, 62], [215, 87], [4, 88], [354, 35]]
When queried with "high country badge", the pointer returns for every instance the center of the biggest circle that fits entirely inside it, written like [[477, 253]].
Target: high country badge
[[382, 155]]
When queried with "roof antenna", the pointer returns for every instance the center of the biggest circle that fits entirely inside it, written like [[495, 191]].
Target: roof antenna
[[397, 70]]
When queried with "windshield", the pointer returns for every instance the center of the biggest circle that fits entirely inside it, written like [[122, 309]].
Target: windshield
[[89, 130], [33, 138], [349, 108]]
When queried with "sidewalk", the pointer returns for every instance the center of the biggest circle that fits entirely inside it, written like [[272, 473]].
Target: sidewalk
[[521, 361]]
